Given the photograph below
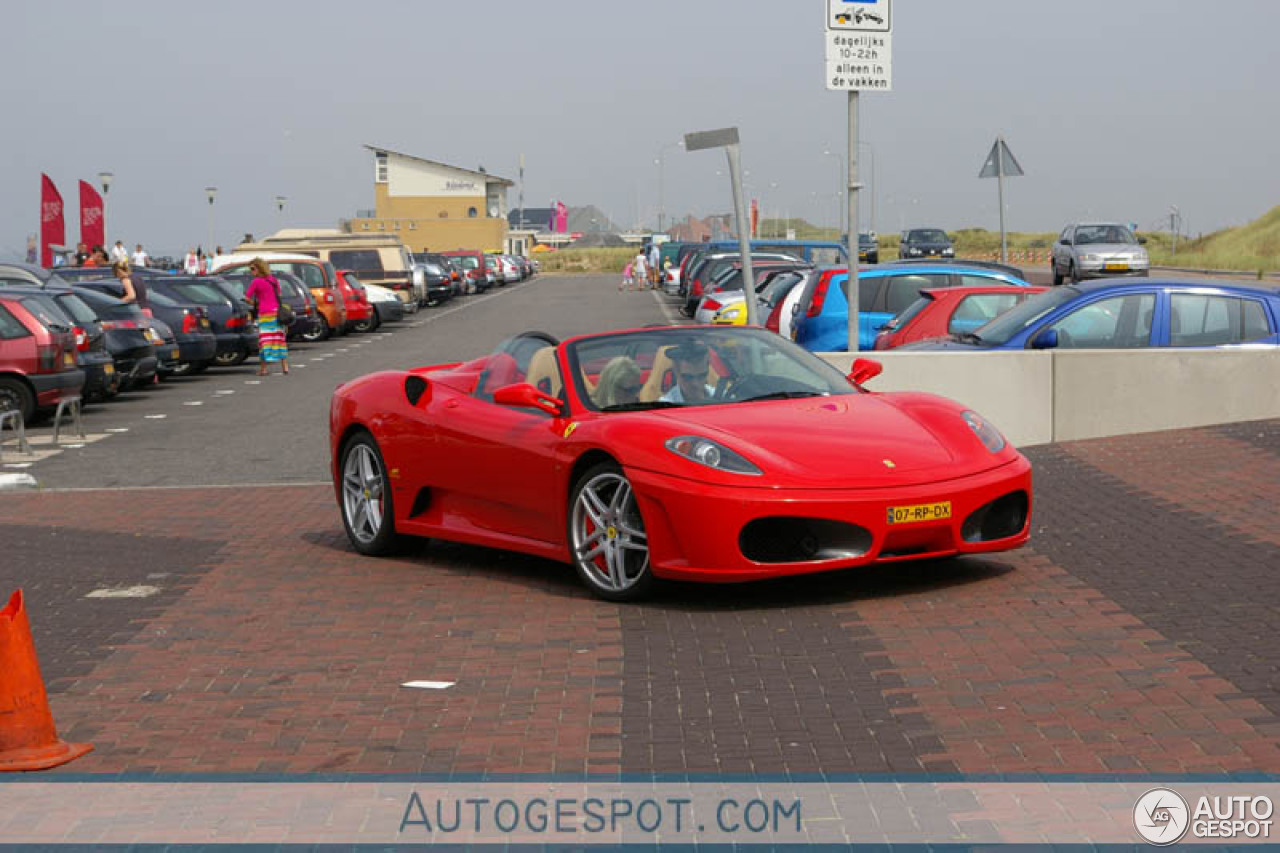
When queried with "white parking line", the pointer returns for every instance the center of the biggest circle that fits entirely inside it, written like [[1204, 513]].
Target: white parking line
[[194, 403], [253, 382], [142, 591], [429, 685], [667, 310], [225, 391], [155, 417], [117, 430]]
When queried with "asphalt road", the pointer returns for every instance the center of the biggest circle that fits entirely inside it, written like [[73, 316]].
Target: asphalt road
[[228, 427]]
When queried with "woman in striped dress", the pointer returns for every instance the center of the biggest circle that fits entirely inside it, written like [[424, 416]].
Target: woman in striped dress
[[265, 293]]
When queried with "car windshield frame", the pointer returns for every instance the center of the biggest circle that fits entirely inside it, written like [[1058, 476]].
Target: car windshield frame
[[927, 235], [794, 372], [1010, 324]]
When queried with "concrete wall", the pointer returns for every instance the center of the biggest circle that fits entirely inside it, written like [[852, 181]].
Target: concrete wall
[[1040, 397]]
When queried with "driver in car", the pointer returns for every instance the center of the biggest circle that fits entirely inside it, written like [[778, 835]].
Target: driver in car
[[691, 361]]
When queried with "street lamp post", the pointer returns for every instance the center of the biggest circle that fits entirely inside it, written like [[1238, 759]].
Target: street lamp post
[[105, 178], [872, 153], [280, 200], [211, 192], [840, 219], [727, 138]]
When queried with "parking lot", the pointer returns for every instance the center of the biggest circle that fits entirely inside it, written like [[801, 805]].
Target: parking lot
[[1133, 634]]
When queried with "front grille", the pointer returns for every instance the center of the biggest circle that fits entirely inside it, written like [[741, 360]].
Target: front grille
[[784, 539]]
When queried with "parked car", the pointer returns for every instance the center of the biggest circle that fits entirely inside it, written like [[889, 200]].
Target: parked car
[[450, 267], [868, 248], [941, 313], [821, 322], [188, 322], [375, 258], [385, 302], [128, 338], [230, 318], [926, 243], [360, 314], [772, 289], [38, 366], [476, 269], [439, 278], [727, 286], [1098, 250], [1131, 315], [320, 276], [705, 270], [306, 324]]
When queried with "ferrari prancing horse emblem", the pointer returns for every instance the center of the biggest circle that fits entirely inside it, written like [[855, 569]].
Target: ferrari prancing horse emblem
[[888, 463], [568, 431]]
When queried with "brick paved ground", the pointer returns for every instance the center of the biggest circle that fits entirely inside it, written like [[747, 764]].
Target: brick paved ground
[[1135, 633]]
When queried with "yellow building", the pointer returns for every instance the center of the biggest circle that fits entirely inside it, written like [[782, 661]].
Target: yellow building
[[434, 207]]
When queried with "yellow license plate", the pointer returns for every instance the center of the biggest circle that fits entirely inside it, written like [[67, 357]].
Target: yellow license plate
[[919, 513], [177, 353], [68, 359], [204, 324], [109, 369], [1117, 266]]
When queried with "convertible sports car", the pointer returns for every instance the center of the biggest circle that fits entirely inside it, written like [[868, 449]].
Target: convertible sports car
[[709, 453]]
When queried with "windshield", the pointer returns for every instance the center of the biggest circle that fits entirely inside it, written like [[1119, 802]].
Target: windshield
[[75, 308], [51, 317], [468, 262], [1002, 329], [200, 293], [928, 235], [1098, 234], [654, 369], [908, 313]]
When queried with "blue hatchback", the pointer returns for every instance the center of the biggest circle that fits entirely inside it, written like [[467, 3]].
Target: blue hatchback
[[822, 315], [1131, 315]]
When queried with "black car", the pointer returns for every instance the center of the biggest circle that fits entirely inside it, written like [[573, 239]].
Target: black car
[[188, 323], [229, 315], [126, 335], [926, 243], [293, 290], [92, 355]]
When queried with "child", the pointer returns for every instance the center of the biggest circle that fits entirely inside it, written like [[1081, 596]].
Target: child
[[626, 277]]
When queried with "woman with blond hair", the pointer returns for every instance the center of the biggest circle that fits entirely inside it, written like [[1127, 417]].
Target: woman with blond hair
[[264, 292], [135, 293], [620, 383]]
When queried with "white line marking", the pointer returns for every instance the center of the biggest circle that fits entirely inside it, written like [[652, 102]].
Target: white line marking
[[17, 465], [155, 417], [194, 403], [667, 310], [253, 382], [71, 446], [17, 481], [429, 685], [124, 592], [225, 391], [118, 430]]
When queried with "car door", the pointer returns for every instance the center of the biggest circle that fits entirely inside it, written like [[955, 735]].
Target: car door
[[1113, 322], [497, 464], [1211, 320], [977, 309]]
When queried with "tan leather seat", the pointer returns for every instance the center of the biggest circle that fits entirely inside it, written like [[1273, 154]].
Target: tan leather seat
[[544, 372]]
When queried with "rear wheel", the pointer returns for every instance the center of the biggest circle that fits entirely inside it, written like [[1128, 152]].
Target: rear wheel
[[368, 324], [318, 332], [15, 395], [609, 546], [367, 512], [1057, 276], [231, 359]]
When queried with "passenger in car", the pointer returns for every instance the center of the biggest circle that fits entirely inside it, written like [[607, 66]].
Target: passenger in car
[[620, 383], [692, 362]]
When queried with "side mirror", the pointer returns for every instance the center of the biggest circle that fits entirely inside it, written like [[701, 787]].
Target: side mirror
[[864, 370], [525, 396], [1142, 240], [1048, 339], [1066, 241]]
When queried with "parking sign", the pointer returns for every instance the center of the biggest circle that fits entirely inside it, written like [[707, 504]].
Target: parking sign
[[866, 16]]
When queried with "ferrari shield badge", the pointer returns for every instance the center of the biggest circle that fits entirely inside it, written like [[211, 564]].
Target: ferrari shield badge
[[888, 463], [568, 431]]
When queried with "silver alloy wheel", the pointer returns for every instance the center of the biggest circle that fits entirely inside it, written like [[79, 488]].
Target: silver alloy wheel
[[609, 542], [362, 493]]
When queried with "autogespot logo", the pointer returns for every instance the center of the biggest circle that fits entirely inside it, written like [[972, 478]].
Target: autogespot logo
[[1161, 816]]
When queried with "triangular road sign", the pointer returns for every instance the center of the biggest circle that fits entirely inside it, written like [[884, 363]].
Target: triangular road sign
[[1008, 164]]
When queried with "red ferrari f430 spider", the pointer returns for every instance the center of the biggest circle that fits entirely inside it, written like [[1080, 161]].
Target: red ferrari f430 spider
[[696, 453]]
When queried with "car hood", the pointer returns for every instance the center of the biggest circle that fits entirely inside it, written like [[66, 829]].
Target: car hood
[[941, 344], [846, 441]]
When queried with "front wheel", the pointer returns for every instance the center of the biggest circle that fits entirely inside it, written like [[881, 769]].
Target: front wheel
[[366, 497], [16, 395], [368, 324], [231, 359], [609, 546], [318, 331]]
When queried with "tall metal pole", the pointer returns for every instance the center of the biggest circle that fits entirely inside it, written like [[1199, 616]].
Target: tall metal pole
[[854, 320], [1004, 243], [744, 232], [662, 191]]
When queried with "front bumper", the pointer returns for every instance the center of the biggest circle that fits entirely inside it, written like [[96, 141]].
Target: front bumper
[[1113, 269], [695, 530]]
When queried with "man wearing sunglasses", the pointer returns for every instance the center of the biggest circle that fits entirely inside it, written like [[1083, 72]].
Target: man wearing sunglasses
[[691, 361]]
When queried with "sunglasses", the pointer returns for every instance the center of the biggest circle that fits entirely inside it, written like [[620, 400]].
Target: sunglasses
[[693, 377]]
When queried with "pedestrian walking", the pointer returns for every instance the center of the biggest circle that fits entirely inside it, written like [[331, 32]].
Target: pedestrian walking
[[655, 265], [264, 293], [640, 270], [32, 251], [627, 280], [140, 256], [119, 253], [191, 264]]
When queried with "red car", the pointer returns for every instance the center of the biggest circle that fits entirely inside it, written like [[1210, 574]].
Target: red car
[[360, 314], [37, 356], [947, 311], [707, 453]]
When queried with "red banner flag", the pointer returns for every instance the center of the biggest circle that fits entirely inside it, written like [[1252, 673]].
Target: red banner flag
[[53, 228], [755, 216], [562, 218], [92, 224]]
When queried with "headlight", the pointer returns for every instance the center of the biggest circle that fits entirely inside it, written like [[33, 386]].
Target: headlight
[[913, 251], [1089, 256], [948, 251], [730, 313], [986, 433], [713, 454]]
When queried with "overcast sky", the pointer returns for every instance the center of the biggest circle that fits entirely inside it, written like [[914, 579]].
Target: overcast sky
[[1115, 108]]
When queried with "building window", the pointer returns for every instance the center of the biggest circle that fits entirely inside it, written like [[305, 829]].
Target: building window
[[444, 214], [380, 167], [382, 226], [472, 212], [395, 226], [364, 225], [413, 226]]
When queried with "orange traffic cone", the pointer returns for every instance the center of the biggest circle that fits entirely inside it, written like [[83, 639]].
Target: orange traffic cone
[[28, 740]]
